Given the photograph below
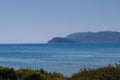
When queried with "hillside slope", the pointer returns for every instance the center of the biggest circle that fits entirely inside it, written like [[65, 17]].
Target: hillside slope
[[89, 37]]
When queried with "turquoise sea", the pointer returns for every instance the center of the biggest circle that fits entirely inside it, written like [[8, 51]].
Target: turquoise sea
[[64, 58]]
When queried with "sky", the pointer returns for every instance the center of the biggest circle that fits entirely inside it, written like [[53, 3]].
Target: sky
[[37, 21]]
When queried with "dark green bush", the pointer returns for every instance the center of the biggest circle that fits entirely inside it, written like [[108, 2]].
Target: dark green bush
[[105, 73]]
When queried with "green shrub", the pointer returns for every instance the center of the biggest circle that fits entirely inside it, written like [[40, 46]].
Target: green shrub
[[105, 73]]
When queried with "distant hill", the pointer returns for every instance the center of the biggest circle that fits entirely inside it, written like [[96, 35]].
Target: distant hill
[[60, 40], [89, 37]]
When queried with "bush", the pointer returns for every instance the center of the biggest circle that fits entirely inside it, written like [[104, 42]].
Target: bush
[[105, 73]]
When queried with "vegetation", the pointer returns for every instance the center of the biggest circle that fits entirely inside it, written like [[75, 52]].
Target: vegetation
[[105, 73]]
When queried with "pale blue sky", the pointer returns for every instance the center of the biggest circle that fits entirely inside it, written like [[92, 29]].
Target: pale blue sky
[[37, 21]]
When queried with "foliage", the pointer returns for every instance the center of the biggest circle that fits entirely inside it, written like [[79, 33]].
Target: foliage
[[105, 73]]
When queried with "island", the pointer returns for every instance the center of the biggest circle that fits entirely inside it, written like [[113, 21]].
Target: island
[[89, 37]]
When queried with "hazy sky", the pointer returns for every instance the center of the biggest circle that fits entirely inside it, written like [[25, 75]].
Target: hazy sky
[[37, 21]]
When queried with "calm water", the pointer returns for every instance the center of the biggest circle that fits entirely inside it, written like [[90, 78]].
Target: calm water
[[64, 58]]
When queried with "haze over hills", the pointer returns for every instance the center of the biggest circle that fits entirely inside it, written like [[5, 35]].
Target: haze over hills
[[89, 37]]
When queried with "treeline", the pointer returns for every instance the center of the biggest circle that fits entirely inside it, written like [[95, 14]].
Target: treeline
[[105, 73]]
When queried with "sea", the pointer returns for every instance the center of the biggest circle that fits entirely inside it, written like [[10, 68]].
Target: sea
[[66, 59]]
